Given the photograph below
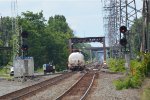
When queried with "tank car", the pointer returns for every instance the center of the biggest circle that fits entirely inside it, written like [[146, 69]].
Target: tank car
[[76, 61]]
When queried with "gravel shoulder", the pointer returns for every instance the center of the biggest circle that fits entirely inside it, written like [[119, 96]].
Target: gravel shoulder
[[7, 86], [105, 90]]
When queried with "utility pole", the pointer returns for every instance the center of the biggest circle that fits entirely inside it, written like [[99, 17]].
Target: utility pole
[[127, 54]]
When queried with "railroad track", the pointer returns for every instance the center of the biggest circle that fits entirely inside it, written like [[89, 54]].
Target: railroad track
[[34, 89], [80, 89], [36, 75]]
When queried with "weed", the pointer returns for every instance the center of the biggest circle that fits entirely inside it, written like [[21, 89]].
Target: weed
[[116, 65]]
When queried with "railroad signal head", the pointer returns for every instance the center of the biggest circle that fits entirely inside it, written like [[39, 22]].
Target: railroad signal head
[[24, 34], [24, 47], [123, 41], [123, 29]]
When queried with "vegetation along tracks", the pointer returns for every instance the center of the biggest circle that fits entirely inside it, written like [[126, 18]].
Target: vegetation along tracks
[[34, 89], [80, 89]]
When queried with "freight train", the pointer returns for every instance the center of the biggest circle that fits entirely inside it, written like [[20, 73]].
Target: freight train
[[76, 61]]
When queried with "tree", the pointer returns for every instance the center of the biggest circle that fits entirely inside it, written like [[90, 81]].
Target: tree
[[58, 32], [136, 35], [5, 40], [47, 42], [34, 23]]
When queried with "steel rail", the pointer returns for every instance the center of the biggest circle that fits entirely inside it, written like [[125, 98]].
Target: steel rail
[[75, 84], [34, 89], [58, 98], [87, 91]]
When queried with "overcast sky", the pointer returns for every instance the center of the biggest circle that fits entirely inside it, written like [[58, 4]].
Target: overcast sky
[[83, 16]]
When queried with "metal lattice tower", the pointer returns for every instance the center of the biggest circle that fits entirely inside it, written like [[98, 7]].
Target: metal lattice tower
[[116, 14], [15, 28]]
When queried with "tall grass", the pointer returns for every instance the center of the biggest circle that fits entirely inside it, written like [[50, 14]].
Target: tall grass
[[4, 72]]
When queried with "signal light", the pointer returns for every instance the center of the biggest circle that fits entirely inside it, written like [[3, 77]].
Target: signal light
[[24, 47], [24, 34], [123, 41], [123, 29]]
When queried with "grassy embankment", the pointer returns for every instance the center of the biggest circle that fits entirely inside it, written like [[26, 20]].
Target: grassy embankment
[[4, 73], [146, 90]]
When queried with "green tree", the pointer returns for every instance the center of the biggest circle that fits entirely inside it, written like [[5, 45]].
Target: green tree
[[34, 24], [136, 35], [5, 39], [47, 42], [58, 33]]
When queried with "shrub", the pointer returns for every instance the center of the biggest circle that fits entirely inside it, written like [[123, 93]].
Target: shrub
[[128, 82], [135, 77], [146, 63], [4, 70], [136, 81], [116, 65], [60, 68], [119, 84]]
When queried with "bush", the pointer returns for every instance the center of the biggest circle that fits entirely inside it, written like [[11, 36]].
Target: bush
[[128, 82], [135, 77], [116, 65], [119, 84], [4, 70], [146, 63], [136, 81], [60, 68]]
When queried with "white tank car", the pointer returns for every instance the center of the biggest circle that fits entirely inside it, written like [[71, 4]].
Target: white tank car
[[76, 61]]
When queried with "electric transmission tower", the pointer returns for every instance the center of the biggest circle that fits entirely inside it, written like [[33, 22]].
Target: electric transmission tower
[[15, 29], [118, 13]]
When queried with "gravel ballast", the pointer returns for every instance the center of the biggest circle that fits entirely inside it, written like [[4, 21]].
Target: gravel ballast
[[7, 86], [105, 90], [53, 92]]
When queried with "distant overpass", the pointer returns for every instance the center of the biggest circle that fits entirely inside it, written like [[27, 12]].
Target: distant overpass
[[87, 39], [97, 48]]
